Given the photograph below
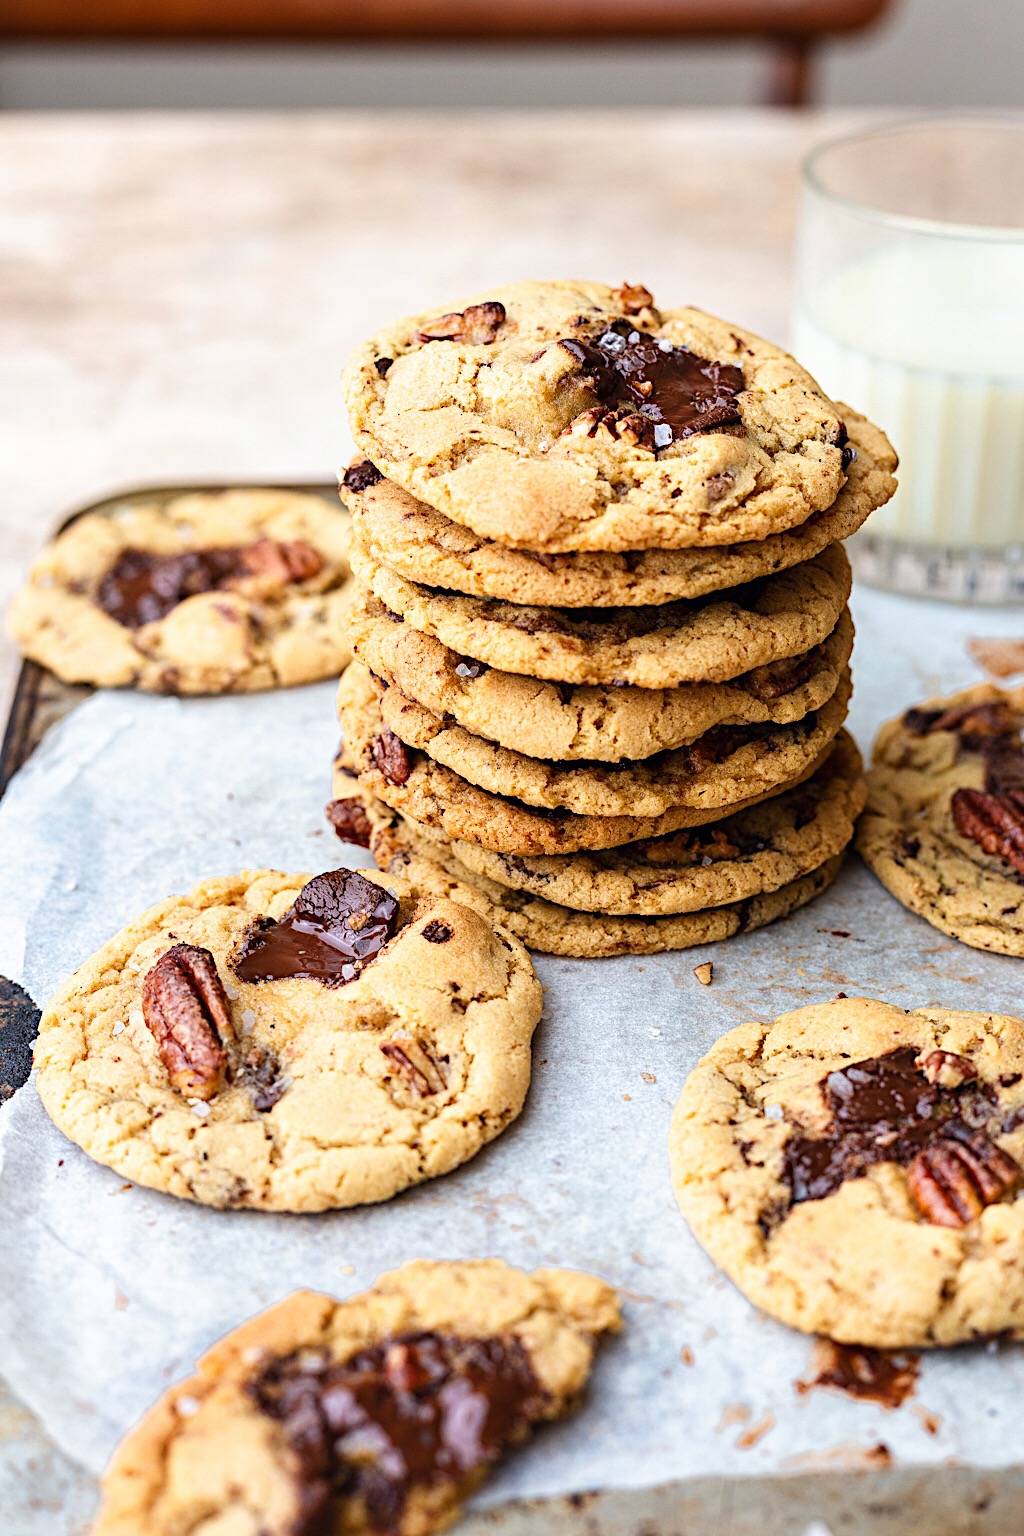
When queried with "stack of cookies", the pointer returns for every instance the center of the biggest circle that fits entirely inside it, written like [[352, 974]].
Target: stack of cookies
[[601, 629]]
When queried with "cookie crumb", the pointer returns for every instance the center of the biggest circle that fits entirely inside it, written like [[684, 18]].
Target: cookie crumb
[[704, 973], [999, 658], [648, 1077], [756, 1432], [120, 1300], [686, 1355]]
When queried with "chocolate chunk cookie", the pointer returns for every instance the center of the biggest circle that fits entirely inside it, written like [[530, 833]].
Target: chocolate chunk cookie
[[381, 1413], [710, 640], [411, 781], [857, 1171], [426, 547], [291, 1044], [579, 417], [944, 824], [597, 724], [226, 592]]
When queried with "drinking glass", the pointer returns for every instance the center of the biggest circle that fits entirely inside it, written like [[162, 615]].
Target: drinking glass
[[910, 308]]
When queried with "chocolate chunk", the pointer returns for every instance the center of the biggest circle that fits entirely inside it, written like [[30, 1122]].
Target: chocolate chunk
[[360, 477], [339, 923], [883, 1110], [437, 932], [382, 364], [261, 1073], [876, 1375], [349, 819], [391, 756], [418, 1411], [141, 588], [466, 666], [777, 678], [19, 1025], [680, 392]]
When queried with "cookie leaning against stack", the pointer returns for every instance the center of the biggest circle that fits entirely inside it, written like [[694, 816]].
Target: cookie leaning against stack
[[601, 620]]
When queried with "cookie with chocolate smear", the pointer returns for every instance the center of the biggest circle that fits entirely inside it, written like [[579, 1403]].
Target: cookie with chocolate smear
[[222, 592], [571, 416], [287, 1043], [379, 1414], [858, 1171], [944, 825]]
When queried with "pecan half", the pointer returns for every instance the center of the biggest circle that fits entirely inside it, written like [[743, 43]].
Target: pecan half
[[994, 822], [621, 425], [952, 1180], [477, 326], [633, 297], [946, 1068], [349, 819], [391, 756], [416, 1064], [186, 1010], [281, 562]]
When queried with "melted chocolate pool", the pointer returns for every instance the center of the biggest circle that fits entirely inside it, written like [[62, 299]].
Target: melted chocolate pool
[[339, 922]]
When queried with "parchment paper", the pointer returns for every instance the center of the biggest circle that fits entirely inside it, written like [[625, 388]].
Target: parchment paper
[[108, 1294]]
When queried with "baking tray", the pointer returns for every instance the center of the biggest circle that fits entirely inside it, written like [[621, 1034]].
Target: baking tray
[[849, 1490]]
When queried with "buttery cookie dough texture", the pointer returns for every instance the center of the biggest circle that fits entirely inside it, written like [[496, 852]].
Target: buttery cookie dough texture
[[221, 592], [380, 1413], [285, 1043], [857, 1170], [516, 417], [944, 824]]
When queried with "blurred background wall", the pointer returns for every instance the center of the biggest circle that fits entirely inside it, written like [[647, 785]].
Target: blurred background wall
[[931, 53]]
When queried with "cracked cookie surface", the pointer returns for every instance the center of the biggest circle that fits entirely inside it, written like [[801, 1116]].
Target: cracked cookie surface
[[854, 1169], [707, 641], [594, 723], [401, 846], [219, 592], [756, 851], [560, 416], [944, 824], [424, 546], [411, 781], [321, 1416], [394, 1062]]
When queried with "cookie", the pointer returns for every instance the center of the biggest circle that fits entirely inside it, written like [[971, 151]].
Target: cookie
[[944, 824], [399, 846], [426, 547], [856, 1170], [707, 641], [288, 1044], [599, 724], [728, 765], [411, 781], [381, 1413], [220, 592], [725, 861], [559, 416]]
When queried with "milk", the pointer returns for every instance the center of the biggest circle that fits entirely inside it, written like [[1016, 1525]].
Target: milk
[[926, 336]]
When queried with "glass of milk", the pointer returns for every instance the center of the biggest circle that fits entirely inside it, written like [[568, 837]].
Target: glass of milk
[[910, 308]]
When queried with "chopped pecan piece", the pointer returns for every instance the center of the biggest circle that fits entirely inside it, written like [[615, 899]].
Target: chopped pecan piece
[[349, 819], [186, 1010], [416, 1065], [621, 425], [281, 562], [776, 678], [952, 1180], [994, 822], [946, 1068], [391, 756], [633, 297], [477, 326]]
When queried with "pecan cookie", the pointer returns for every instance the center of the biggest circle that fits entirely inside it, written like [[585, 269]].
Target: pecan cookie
[[230, 591], [709, 640], [381, 1413], [571, 416], [291, 1044], [402, 848], [426, 547], [944, 824], [857, 1170], [595, 723], [745, 855], [411, 781], [728, 765]]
